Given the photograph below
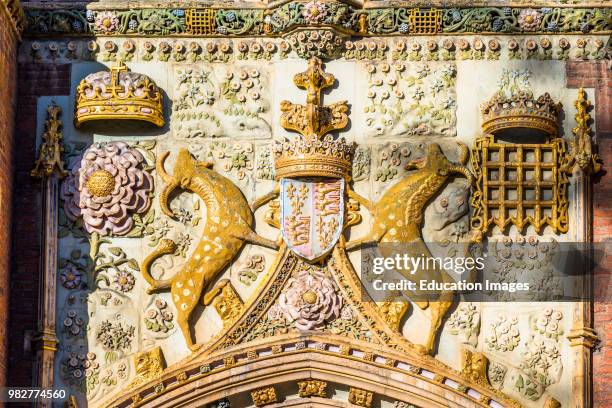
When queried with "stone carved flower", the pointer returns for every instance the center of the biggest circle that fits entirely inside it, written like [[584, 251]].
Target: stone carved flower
[[129, 46], [115, 336], [124, 281], [110, 46], [479, 45], [314, 11], [158, 318], [310, 300], [104, 186], [448, 44], [71, 277], [73, 324], [545, 43], [77, 365], [531, 45], [463, 44], [529, 19], [106, 21], [148, 46]]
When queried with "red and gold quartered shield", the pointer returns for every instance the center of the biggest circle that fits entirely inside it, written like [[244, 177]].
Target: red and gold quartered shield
[[312, 214]]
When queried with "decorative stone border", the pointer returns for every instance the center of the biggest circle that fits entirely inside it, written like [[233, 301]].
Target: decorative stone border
[[573, 48], [278, 20]]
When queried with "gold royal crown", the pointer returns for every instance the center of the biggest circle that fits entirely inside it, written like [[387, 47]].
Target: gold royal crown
[[520, 110], [314, 152], [118, 94]]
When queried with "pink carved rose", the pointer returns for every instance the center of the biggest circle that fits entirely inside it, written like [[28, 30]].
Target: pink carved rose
[[529, 19], [106, 22], [105, 185], [311, 299], [314, 11]]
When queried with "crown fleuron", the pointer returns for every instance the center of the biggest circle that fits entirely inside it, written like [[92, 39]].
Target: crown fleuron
[[514, 106], [314, 152], [521, 110], [118, 94]]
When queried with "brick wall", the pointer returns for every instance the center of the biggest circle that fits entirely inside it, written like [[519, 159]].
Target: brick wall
[[33, 81], [598, 75], [8, 42]]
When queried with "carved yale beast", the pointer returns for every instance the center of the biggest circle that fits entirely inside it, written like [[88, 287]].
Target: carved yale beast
[[229, 224], [398, 216]]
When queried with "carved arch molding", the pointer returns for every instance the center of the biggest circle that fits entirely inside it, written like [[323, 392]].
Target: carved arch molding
[[284, 371]]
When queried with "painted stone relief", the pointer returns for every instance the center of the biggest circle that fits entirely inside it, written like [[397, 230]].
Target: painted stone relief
[[217, 234], [215, 103], [410, 100]]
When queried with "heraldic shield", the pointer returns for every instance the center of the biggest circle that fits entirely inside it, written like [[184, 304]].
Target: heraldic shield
[[312, 214]]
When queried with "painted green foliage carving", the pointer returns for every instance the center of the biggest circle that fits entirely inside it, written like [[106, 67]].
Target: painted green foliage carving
[[381, 21]]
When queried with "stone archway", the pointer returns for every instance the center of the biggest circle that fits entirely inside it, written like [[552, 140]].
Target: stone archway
[[237, 374]]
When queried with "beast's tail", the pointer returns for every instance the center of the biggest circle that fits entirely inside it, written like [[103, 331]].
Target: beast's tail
[[165, 247]]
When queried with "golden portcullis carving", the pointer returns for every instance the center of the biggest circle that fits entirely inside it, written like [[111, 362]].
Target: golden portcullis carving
[[520, 184], [200, 21], [118, 94], [229, 223]]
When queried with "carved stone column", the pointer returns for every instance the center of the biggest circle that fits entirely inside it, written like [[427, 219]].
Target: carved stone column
[[50, 169], [582, 337]]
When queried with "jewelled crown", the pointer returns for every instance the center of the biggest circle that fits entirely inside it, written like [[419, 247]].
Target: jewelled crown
[[314, 152], [118, 94], [514, 106]]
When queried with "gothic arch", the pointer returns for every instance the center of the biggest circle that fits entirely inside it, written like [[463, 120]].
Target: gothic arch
[[281, 364]]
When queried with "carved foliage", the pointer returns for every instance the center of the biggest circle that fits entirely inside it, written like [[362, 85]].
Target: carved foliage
[[465, 322], [474, 366], [312, 388], [207, 106], [503, 334], [263, 396], [410, 100], [361, 398], [149, 365]]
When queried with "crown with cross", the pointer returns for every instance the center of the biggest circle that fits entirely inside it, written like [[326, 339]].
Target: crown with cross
[[314, 152], [118, 94]]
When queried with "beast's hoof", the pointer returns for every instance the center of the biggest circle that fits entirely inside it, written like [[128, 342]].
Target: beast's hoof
[[195, 347]]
